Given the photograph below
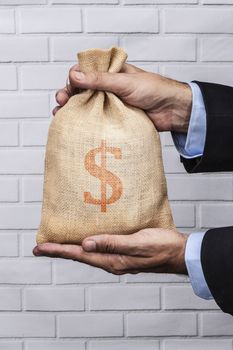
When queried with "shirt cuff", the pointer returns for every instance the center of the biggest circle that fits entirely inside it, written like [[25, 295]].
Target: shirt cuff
[[191, 145], [194, 267]]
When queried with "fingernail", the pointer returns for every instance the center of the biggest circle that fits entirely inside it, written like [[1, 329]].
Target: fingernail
[[89, 245], [79, 76]]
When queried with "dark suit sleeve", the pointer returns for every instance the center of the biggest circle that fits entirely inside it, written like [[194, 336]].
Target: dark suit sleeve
[[217, 244], [217, 265], [218, 150]]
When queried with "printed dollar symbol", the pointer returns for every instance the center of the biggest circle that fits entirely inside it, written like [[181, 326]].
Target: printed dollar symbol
[[105, 176]]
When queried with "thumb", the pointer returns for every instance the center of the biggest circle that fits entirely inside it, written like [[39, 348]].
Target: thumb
[[113, 82], [116, 244]]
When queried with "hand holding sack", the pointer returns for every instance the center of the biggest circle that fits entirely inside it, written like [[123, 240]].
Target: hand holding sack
[[103, 165]]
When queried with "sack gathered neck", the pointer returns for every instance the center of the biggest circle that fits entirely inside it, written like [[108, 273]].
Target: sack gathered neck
[[99, 60]]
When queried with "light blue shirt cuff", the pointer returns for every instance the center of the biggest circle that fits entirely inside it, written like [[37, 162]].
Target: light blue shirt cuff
[[191, 145], [194, 267]]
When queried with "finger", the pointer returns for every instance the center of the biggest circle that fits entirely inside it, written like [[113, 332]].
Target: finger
[[66, 251], [112, 82], [62, 96], [130, 68], [117, 244], [113, 263], [56, 109]]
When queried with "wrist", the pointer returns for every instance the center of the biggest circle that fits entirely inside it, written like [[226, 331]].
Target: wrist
[[182, 107], [177, 263]]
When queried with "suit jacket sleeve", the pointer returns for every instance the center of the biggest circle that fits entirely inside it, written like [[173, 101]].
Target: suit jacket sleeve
[[217, 244], [218, 150]]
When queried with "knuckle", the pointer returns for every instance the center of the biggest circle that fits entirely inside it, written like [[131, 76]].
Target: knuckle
[[109, 244], [96, 79], [71, 76], [59, 95], [73, 68], [117, 266], [66, 250], [111, 264], [71, 71], [116, 271]]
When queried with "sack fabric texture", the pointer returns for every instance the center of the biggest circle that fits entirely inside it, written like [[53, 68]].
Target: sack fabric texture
[[103, 166]]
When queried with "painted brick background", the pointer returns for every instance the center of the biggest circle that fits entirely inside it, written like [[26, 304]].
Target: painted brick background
[[63, 305]]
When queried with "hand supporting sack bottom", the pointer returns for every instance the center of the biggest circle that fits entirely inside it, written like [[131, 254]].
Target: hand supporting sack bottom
[[103, 164]]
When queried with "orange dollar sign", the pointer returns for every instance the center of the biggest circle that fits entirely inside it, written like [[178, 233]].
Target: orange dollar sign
[[105, 176]]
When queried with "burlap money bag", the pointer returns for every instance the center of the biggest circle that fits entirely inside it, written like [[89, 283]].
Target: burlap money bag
[[103, 166]]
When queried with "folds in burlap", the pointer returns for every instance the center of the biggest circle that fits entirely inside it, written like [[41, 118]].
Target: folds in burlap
[[103, 166]]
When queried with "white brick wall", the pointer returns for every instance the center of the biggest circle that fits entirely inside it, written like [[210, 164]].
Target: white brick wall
[[65, 305], [90, 325], [7, 22], [161, 324], [15, 49]]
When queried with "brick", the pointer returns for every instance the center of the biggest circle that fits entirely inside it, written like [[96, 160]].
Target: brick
[[24, 105], [25, 325], [124, 298], [66, 48], [42, 20], [7, 22], [23, 2], [183, 214], [222, 74], [44, 77], [220, 2], [117, 21], [25, 217], [216, 215], [171, 160], [8, 79], [28, 242], [198, 20], [55, 345], [156, 278], [35, 133], [197, 344], [176, 298], [10, 299], [11, 345], [74, 272], [161, 324], [25, 272], [216, 324], [124, 345], [199, 188], [147, 48], [33, 189], [137, 2], [21, 162], [9, 190], [217, 49], [85, 2], [9, 134], [23, 49], [90, 325], [8, 244], [54, 299]]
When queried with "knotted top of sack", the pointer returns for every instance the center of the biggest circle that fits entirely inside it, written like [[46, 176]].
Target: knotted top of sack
[[99, 60]]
